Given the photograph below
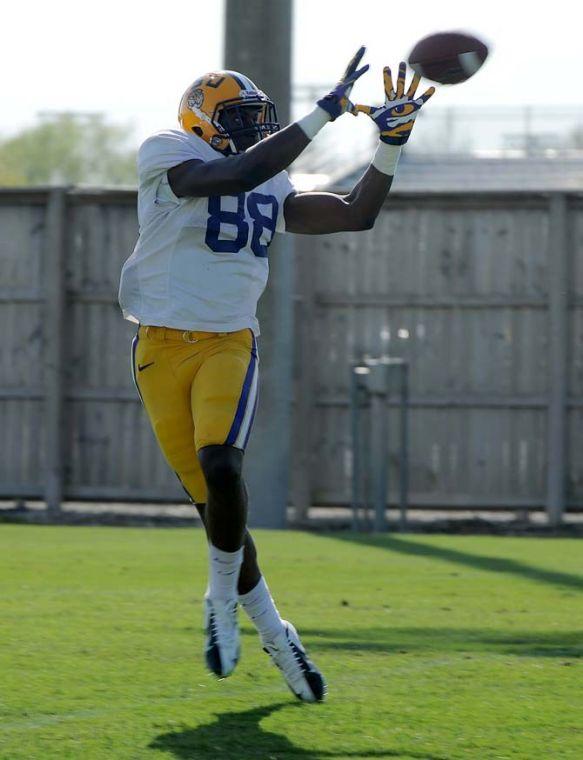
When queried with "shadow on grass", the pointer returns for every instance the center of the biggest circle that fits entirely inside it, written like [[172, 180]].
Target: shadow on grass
[[402, 545], [396, 640], [238, 735]]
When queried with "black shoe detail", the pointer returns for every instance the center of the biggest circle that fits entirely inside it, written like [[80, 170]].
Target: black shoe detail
[[144, 366], [212, 653], [213, 661], [300, 657], [313, 677], [317, 685]]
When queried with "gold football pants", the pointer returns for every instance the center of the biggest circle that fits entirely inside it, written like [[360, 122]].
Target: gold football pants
[[199, 389]]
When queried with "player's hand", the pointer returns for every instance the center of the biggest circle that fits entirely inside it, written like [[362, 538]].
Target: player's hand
[[395, 119], [337, 102]]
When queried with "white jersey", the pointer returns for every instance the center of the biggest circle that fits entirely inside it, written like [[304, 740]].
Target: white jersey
[[199, 263]]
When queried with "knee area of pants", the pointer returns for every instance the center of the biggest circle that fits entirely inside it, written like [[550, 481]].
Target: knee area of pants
[[221, 470], [194, 485]]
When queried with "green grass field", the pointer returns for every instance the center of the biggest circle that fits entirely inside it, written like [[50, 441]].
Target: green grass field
[[434, 647]]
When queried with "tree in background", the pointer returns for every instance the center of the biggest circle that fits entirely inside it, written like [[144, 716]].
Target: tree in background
[[68, 148]]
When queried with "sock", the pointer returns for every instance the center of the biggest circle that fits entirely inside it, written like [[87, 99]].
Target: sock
[[224, 570], [262, 611]]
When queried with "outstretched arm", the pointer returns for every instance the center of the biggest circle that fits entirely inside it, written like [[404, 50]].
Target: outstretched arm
[[322, 213], [243, 172]]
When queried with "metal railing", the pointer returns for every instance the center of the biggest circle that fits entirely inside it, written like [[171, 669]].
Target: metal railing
[[372, 387]]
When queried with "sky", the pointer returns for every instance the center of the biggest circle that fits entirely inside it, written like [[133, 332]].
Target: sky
[[132, 60]]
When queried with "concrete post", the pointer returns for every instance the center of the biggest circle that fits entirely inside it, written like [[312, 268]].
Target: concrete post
[[258, 44], [558, 342]]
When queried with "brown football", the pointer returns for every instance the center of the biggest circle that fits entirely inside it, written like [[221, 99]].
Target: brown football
[[448, 57]]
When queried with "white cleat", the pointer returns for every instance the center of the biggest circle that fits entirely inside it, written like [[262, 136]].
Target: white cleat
[[222, 647], [300, 673]]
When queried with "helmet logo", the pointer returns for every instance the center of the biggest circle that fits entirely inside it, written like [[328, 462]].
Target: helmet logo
[[212, 80], [195, 99]]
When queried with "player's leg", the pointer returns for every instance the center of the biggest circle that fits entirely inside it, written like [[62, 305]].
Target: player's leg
[[164, 384], [250, 573], [253, 592], [223, 415], [226, 497], [223, 396], [279, 638], [165, 395], [226, 518]]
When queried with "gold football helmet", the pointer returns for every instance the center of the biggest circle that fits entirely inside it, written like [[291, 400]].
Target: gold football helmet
[[228, 111]]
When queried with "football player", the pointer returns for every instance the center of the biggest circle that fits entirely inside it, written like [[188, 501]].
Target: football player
[[211, 196]]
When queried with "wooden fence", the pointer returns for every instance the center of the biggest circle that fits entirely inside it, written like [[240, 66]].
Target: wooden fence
[[482, 294]]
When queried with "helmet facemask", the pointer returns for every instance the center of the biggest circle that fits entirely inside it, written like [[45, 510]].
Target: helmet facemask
[[246, 122], [227, 111]]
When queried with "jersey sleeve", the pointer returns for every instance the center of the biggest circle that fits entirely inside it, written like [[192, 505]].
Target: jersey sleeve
[[165, 150], [285, 188]]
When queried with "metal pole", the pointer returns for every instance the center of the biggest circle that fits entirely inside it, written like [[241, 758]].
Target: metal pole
[[367, 476], [558, 337], [379, 443], [53, 349], [378, 411], [404, 448], [258, 44], [355, 430]]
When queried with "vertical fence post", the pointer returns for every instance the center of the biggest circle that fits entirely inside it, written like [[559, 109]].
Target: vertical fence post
[[53, 334], [558, 332], [303, 422]]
